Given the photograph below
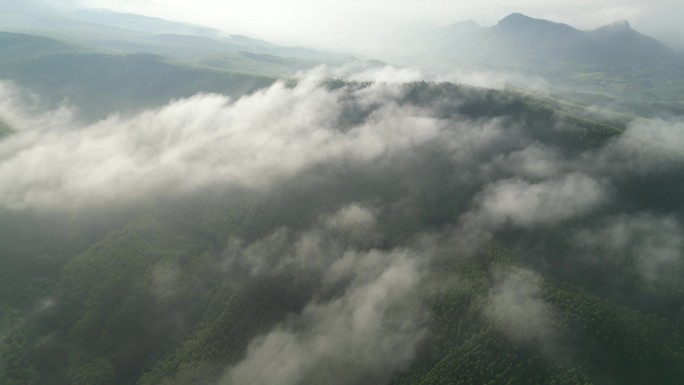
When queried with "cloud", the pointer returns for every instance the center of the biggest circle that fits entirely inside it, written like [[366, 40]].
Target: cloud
[[56, 162], [645, 146], [522, 203], [362, 320], [22, 111], [353, 224], [165, 280], [515, 305], [652, 245], [352, 217], [361, 71], [197, 142], [496, 79], [534, 162], [364, 335]]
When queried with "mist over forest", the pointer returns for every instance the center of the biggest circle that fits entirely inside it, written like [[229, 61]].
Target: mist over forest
[[183, 207]]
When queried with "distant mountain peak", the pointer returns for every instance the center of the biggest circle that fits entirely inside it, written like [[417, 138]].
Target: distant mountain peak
[[517, 22], [464, 26], [620, 25], [515, 18], [526, 41]]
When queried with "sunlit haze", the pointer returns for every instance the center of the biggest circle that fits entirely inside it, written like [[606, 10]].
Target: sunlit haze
[[367, 25]]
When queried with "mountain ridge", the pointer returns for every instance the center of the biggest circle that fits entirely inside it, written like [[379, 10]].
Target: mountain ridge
[[523, 40], [131, 33]]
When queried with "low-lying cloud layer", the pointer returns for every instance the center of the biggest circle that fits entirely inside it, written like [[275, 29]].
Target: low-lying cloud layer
[[193, 143], [410, 169], [522, 203], [652, 245], [367, 333], [363, 321], [55, 161], [515, 305]]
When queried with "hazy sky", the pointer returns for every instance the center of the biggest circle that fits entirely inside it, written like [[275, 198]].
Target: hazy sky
[[342, 24]]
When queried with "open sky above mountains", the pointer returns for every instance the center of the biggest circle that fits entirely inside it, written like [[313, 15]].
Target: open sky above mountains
[[367, 25]]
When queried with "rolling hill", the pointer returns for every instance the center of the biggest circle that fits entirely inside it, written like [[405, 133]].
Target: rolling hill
[[129, 33], [99, 83]]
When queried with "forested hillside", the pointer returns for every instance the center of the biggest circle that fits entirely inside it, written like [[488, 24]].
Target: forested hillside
[[131, 33], [104, 82], [334, 232]]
